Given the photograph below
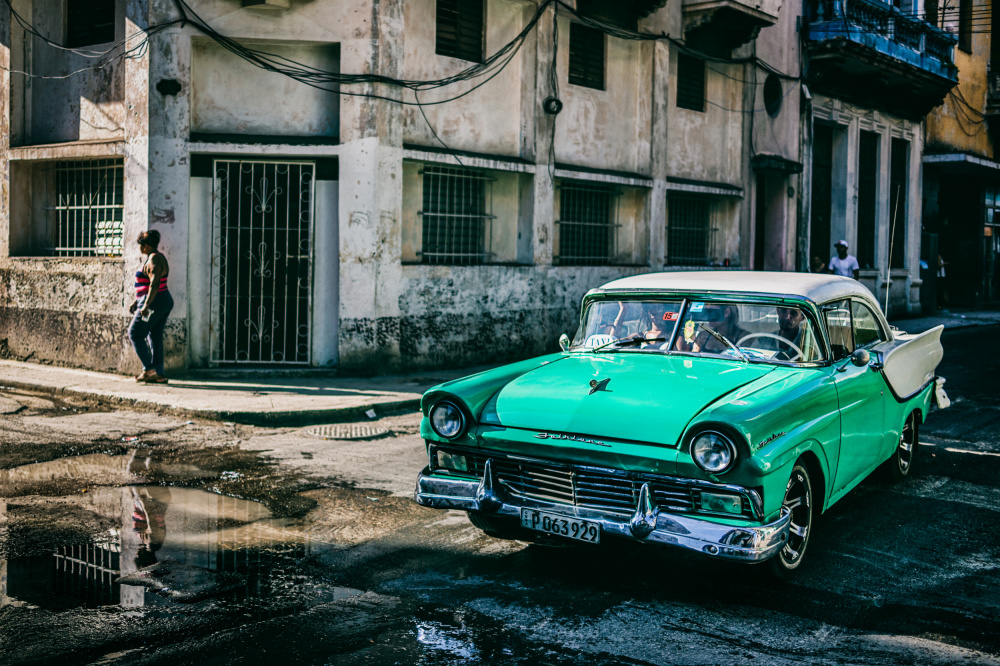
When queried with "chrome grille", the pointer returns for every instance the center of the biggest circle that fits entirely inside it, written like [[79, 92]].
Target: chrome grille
[[615, 491]]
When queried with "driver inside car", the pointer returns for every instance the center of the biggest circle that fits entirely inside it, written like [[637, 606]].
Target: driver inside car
[[793, 327]]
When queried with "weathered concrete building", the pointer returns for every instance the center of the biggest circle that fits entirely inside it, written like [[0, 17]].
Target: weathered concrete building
[[961, 166], [392, 227], [874, 72]]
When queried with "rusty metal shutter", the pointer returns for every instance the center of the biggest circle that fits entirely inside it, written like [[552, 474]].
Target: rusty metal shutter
[[690, 82]]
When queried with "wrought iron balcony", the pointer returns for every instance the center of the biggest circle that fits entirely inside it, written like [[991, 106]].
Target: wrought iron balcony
[[722, 25], [872, 53]]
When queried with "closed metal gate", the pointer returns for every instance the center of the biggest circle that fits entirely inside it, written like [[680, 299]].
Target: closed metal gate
[[262, 262]]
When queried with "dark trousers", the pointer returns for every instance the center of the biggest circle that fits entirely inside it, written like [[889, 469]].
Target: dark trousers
[[147, 336]]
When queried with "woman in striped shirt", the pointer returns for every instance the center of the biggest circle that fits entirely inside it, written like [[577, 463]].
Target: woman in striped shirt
[[152, 305]]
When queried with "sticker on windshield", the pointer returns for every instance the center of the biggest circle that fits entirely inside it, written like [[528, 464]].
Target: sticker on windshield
[[697, 307], [670, 316]]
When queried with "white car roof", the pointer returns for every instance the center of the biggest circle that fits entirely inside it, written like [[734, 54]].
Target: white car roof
[[817, 287]]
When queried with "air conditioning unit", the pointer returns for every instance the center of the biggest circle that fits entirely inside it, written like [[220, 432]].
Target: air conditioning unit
[[267, 4]]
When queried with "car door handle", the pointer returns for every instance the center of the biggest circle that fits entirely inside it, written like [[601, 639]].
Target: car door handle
[[876, 366]]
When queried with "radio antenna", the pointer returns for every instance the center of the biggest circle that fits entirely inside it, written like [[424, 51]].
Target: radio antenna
[[892, 238]]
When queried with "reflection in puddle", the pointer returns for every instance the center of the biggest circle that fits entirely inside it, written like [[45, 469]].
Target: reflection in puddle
[[182, 544], [98, 468], [449, 639]]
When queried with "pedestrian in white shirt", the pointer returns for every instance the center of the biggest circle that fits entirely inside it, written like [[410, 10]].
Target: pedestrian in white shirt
[[844, 264]]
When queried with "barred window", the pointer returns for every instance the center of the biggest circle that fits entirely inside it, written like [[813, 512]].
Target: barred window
[[690, 82], [89, 22], [460, 29], [689, 231], [586, 56], [457, 216], [588, 224], [87, 208]]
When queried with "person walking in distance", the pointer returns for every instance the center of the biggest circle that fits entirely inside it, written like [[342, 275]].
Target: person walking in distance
[[843, 263], [152, 306]]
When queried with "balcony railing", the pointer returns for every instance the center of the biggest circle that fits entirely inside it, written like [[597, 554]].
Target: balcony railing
[[886, 29]]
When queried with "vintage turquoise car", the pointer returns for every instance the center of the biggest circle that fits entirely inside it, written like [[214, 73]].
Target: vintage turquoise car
[[715, 411]]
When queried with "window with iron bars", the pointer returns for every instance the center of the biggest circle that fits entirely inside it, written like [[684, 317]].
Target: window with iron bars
[[86, 218], [588, 224], [689, 231], [457, 216]]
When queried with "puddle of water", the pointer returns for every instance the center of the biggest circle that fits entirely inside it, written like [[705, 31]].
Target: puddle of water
[[173, 545], [98, 468]]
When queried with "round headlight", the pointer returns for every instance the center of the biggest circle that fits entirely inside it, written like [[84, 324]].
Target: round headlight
[[447, 420], [713, 452]]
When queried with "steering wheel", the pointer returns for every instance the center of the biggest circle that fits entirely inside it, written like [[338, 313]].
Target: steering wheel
[[798, 351]]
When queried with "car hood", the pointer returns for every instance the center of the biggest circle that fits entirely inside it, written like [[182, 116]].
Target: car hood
[[648, 398]]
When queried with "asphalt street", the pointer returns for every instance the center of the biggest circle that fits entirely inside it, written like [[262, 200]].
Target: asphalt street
[[129, 537]]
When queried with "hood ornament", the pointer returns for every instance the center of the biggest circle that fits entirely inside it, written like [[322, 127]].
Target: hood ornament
[[596, 386]]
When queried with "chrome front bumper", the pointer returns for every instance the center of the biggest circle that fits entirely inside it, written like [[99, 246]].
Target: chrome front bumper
[[648, 524]]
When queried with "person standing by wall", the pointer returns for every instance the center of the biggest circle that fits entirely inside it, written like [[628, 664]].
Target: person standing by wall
[[152, 306], [843, 263]]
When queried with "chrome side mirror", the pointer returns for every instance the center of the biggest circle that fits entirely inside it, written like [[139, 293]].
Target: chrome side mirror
[[564, 342], [860, 357]]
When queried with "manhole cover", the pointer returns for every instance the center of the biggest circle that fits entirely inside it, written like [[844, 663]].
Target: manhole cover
[[349, 431]]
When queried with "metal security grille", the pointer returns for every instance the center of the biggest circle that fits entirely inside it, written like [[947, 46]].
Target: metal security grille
[[689, 231], [460, 29], [88, 572], [586, 56], [262, 262], [588, 224], [457, 216], [690, 82], [87, 215]]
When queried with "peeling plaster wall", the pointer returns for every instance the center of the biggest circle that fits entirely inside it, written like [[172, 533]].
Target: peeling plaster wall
[[487, 120], [609, 127], [948, 128], [454, 316]]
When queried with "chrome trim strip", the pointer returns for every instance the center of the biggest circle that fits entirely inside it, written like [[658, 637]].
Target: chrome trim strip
[[648, 524]]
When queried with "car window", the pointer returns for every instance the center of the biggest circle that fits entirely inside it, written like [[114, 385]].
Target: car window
[[866, 328], [607, 321], [838, 325], [763, 332]]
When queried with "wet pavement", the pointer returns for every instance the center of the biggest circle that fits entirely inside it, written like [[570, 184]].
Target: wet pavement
[[137, 538]]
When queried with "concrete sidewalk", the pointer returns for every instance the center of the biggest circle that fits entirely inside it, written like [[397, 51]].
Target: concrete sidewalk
[[254, 400], [277, 400]]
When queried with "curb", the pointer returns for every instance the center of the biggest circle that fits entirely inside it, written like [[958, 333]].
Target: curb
[[280, 418]]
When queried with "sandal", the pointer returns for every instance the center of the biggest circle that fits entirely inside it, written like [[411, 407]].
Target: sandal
[[157, 379]]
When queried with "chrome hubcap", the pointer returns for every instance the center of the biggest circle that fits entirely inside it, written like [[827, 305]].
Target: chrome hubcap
[[797, 502]]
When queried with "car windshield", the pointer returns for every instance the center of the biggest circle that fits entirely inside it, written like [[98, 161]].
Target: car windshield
[[761, 332]]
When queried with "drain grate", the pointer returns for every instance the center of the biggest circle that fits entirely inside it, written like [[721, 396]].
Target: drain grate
[[349, 431]]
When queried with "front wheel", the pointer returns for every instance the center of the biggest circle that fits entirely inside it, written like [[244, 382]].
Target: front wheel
[[799, 502], [900, 465]]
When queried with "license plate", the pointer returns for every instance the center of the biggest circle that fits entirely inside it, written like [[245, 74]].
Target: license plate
[[571, 528]]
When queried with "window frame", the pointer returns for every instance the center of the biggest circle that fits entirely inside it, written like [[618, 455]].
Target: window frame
[[447, 218], [883, 336], [689, 199], [585, 187]]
